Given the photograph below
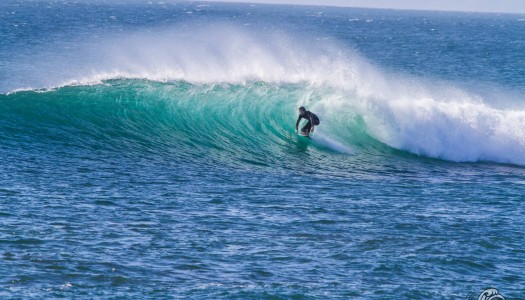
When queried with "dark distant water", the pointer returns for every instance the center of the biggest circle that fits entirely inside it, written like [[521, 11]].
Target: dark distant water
[[147, 151]]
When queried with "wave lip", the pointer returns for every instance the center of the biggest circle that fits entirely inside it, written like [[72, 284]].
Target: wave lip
[[196, 53]]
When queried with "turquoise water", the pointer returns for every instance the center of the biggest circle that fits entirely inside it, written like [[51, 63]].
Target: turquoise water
[[148, 151]]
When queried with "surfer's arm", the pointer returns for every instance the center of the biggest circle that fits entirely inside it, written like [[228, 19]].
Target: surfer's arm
[[297, 123], [312, 122]]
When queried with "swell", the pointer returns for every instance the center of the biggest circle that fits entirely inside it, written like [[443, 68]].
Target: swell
[[234, 125], [253, 123]]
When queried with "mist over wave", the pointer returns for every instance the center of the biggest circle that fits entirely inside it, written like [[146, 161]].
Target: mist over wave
[[423, 116]]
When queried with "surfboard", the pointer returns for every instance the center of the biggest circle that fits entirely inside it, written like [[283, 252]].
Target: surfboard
[[305, 134]]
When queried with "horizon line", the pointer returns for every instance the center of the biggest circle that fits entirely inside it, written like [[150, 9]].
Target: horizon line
[[362, 7]]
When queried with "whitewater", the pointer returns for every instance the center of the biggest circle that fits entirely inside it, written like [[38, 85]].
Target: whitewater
[[148, 149]]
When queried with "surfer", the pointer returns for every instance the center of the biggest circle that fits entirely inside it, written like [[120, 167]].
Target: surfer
[[312, 120]]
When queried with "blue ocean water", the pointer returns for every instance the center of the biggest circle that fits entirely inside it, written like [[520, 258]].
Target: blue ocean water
[[148, 150]]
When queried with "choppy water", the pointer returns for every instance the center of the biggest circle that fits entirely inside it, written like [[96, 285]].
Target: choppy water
[[148, 151]]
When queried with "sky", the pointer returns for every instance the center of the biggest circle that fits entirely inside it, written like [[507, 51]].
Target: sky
[[505, 6]]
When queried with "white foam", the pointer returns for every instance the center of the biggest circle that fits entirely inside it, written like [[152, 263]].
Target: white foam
[[435, 121]]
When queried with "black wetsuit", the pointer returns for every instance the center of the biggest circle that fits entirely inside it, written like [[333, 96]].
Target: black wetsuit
[[311, 117]]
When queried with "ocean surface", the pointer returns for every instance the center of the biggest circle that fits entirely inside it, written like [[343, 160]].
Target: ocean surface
[[148, 151]]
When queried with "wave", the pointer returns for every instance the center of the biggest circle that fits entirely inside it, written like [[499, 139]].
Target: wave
[[239, 125], [219, 84]]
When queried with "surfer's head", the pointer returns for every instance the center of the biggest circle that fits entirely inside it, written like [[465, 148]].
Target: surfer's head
[[302, 109]]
